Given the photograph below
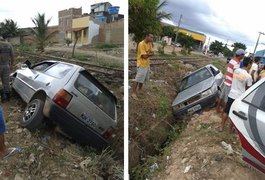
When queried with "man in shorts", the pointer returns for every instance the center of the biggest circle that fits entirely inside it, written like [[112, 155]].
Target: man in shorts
[[231, 66], [144, 52], [241, 81]]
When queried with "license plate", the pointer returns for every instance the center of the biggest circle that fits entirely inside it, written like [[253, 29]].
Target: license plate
[[88, 120], [194, 108]]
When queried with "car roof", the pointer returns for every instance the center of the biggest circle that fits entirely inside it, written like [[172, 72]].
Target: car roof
[[206, 66]]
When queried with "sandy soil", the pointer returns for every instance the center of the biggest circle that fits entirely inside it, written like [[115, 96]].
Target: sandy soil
[[199, 153]]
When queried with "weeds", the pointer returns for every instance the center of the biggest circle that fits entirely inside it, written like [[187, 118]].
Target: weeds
[[80, 57], [104, 165], [163, 106], [25, 48], [107, 46]]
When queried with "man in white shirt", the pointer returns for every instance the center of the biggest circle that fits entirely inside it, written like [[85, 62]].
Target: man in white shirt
[[254, 69], [241, 81]]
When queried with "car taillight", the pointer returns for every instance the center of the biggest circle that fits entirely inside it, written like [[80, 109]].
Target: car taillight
[[62, 98], [108, 133]]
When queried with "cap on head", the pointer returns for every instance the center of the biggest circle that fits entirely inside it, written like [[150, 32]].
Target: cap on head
[[240, 52]]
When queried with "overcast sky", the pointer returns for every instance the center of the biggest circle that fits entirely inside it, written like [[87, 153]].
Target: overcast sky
[[21, 11], [223, 20]]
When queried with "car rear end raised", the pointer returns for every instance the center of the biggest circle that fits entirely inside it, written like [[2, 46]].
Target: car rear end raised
[[85, 110]]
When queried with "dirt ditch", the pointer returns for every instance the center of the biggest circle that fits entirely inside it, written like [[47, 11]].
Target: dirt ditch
[[161, 148]]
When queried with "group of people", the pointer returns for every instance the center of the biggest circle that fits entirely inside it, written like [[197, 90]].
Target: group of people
[[6, 65], [241, 73]]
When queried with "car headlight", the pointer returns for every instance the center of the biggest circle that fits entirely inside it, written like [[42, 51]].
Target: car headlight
[[178, 106], [207, 93]]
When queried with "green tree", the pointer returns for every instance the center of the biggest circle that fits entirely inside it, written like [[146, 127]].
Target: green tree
[[8, 29], [41, 33], [227, 52], [77, 35], [238, 45], [145, 16], [167, 31], [216, 47], [186, 42]]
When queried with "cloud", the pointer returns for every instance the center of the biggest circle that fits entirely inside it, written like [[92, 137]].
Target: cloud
[[199, 15]]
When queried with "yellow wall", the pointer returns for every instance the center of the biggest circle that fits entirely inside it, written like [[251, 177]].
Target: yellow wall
[[196, 36], [81, 22]]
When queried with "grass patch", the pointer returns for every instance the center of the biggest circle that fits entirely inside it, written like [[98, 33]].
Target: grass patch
[[220, 65], [80, 57], [163, 106], [107, 46], [25, 48], [110, 63]]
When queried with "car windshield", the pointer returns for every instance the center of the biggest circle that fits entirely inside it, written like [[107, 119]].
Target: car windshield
[[96, 93], [194, 78]]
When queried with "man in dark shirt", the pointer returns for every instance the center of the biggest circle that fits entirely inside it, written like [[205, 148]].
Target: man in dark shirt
[[6, 64]]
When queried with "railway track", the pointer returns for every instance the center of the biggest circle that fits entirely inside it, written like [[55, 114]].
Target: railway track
[[108, 71], [161, 61]]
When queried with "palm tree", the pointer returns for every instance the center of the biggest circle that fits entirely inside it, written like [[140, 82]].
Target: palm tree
[[161, 14], [8, 29], [42, 36]]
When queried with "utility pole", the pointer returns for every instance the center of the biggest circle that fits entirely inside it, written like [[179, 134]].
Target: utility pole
[[178, 28], [257, 42]]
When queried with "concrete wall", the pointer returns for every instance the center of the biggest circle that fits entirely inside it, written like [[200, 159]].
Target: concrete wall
[[112, 33], [93, 31]]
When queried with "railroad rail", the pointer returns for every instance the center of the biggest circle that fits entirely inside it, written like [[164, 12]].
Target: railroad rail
[[87, 65], [161, 60]]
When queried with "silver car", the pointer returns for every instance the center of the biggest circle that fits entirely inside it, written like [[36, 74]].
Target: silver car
[[70, 97], [198, 90]]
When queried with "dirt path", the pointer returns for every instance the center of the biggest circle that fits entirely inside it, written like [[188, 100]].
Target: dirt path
[[199, 153], [98, 54]]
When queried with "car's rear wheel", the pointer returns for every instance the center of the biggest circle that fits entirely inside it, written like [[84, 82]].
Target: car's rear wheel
[[33, 115]]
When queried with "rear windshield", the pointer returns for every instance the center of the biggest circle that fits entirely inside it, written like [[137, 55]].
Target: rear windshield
[[96, 94], [195, 78], [59, 70]]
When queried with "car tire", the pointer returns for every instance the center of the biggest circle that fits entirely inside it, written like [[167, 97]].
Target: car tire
[[33, 115]]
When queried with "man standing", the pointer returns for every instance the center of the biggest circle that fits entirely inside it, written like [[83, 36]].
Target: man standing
[[254, 69], [6, 63], [144, 52], [241, 81], [231, 66]]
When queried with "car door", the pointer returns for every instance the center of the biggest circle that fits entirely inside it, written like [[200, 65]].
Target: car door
[[248, 115]]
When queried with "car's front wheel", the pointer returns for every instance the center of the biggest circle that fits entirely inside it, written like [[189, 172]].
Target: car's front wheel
[[33, 115]]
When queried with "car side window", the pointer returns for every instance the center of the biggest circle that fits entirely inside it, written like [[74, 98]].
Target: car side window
[[59, 70], [257, 97]]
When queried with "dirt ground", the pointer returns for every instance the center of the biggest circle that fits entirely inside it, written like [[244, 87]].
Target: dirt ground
[[199, 153], [49, 155]]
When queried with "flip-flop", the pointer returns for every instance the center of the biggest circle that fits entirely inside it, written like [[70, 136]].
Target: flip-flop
[[12, 151]]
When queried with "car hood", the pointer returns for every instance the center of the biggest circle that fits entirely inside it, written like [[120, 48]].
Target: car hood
[[193, 90]]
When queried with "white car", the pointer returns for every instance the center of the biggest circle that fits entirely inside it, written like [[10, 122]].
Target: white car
[[248, 115], [69, 97]]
